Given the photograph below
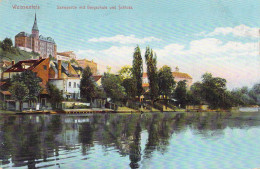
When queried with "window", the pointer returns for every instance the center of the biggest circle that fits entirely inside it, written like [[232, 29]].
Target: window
[[69, 84], [45, 67], [74, 84]]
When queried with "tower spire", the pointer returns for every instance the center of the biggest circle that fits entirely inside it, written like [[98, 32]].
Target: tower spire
[[35, 27]]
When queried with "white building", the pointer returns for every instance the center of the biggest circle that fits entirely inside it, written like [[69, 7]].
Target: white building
[[66, 79]]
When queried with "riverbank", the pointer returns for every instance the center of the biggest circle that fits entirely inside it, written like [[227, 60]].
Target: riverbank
[[120, 110]]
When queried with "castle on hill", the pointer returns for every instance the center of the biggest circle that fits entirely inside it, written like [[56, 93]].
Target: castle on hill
[[34, 42]]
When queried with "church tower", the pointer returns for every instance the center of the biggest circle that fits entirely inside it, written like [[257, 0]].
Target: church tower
[[35, 36], [35, 30]]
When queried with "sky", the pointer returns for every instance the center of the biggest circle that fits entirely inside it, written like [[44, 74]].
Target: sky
[[216, 36]]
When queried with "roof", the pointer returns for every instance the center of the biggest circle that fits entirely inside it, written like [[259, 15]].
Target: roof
[[67, 53], [181, 75], [35, 27], [19, 68], [5, 63], [145, 84], [6, 93], [64, 69], [2, 83], [23, 34], [47, 39], [176, 75], [97, 77]]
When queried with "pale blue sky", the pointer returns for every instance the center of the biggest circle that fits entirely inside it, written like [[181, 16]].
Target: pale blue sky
[[217, 36]]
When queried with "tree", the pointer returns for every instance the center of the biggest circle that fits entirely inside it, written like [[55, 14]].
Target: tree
[[128, 82], [7, 44], [138, 70], [181, 93], [31, 81], [87, 86], [55, 95], [130, 87], [166, 81], [194, 94], [151, 62], [19, 92], [214, 91], [112, 86], [126, 72]]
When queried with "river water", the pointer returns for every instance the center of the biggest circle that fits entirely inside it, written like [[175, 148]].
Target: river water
[[151, 140]]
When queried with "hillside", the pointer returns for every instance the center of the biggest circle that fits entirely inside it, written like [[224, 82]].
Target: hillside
[[16, 55]]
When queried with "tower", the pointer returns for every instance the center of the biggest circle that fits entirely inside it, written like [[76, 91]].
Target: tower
[[35, 30], [35, 36]]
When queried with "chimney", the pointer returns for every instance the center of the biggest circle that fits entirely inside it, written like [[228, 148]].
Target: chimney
[[13, 62], [69, 67], [40, 57], [59, 69]]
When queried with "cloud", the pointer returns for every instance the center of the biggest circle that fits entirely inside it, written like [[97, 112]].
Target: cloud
[[236, 61], [238, 31], [114, 56], [125, 39]]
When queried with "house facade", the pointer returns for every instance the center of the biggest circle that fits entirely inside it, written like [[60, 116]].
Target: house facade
[[178, 76], [66, 79], [41, 68]]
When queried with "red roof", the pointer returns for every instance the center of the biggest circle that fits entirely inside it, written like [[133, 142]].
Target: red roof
[[96, 77], [175, 74], [181, 75], [2, 83], [18, 67], [6, 92]]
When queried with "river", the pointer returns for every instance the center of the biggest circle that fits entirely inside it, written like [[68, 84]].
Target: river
[[149, 140]]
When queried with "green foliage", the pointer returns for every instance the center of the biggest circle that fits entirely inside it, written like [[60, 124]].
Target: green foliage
[[138, 70], [19, 92], [112, 86], [52, 58], [180, 93], [31, 81], [74, 61], [245, 96], [87, 86], [214, 91], [166, 81], [130, 87], [55, 95], [125, 72], [151, 62], [7, 45], [194, 96]]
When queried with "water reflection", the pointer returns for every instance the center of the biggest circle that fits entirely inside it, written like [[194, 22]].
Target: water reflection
[[30, 140]]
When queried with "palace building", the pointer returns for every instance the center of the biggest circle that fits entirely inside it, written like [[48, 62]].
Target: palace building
[[34, 42]]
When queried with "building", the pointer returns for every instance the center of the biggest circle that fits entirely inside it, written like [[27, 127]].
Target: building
[[41, 68], [65, 78], [178, 76], [66, 56], [34, 42], [4, 64], [83, 63]]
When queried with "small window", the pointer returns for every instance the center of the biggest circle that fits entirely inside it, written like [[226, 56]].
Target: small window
[[74, 84], [69, 84], [45, 67]]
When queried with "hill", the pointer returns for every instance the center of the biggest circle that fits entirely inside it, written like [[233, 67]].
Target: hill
[[17, 55]]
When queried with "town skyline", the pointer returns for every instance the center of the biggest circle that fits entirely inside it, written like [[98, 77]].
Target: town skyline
[[225, 49]]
